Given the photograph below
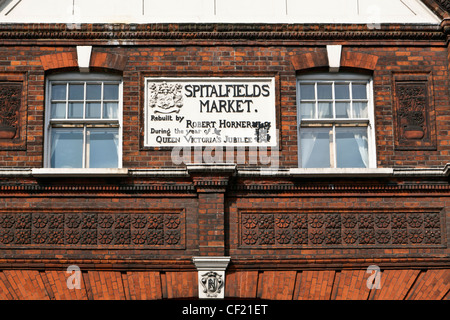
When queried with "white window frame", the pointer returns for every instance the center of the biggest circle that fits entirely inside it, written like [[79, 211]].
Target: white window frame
[[369, 122], [94, 123]]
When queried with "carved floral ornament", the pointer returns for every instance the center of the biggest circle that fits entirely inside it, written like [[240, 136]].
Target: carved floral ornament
[[412, 100], [10, 103], [74, 229], [415, 123], [304, 230]]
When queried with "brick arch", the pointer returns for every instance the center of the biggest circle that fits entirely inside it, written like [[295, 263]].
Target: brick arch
[[358, 60], [69, 61], [108, 61], [62, 60], [309, 284], [349, 59], [310, 60]]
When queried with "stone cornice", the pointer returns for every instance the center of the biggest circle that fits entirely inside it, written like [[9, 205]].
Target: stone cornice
[[226, 169], [342, 263], [334, 190], [23, 182], [142, 33], [94, 190], [186, 263], [331, 189]]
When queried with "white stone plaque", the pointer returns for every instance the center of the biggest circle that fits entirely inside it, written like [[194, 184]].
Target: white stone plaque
[[189, 112]]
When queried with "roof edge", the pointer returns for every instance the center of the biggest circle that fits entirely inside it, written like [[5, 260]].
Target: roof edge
[[441, 8]]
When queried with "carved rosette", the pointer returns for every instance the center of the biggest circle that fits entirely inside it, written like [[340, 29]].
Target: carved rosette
[[45, 229], [303, 230]]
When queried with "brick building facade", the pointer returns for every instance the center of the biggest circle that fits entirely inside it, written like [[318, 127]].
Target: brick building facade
[[291, 231]]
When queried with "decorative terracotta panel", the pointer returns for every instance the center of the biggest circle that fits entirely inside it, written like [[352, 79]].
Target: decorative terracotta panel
[[85, 229], [414, 113], [347, 229], [12, 111]]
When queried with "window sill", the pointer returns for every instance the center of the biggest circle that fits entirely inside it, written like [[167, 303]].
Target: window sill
[[79, 172], [341, 172]]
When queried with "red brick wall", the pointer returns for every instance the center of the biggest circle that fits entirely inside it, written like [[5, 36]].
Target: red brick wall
[[366, 223], [347, 284], [112, 212], [209, 210], [229, 60]]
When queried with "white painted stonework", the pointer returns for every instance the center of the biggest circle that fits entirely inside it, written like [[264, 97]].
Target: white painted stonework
[[189, 112], [371, 12], [84, 57], [79, 172], [211, 276], [334, 57]]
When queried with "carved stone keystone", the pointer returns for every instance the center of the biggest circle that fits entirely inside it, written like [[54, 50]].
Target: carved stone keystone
[[211, 276]]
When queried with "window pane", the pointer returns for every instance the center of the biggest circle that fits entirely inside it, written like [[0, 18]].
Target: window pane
[[58, 110], [325, 110], [342, 91], [315, 147], [93, 110], [360, 110], [93, 92], [76, 92], [342, 110], [324, 91], [110, 110], [307, 92], [352, 148], [103, 148], [359, 91], [307, 110], [67, 148], [111, 92], [59, 92], [75, 110]]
